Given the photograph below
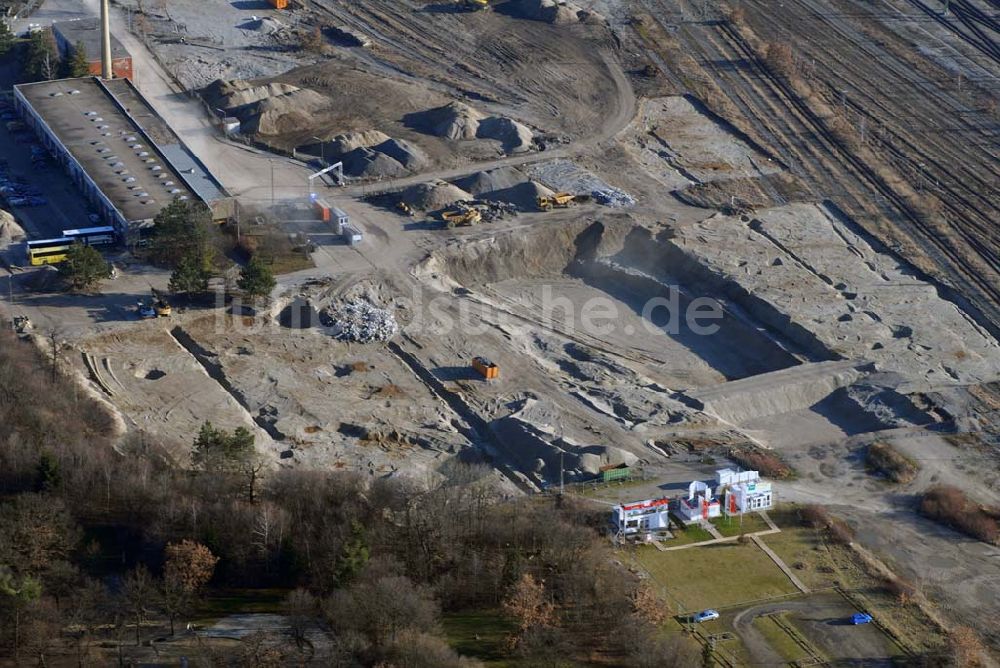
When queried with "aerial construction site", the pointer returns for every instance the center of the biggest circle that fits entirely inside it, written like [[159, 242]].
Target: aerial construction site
[[554, 239]]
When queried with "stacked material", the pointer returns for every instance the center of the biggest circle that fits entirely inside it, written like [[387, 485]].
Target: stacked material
[[361, 321]]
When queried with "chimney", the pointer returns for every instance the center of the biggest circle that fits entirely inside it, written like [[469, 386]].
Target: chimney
[[106, 40]]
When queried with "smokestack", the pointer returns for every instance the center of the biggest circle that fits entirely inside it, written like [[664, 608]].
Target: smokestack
[[106, 40]]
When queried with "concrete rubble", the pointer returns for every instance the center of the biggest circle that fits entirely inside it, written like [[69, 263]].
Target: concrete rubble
[[361, 321]]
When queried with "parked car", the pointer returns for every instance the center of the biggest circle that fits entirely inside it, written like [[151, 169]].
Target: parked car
[[861, 618], [705, 616]]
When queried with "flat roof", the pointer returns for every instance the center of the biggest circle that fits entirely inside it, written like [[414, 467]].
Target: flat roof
[[191, 169], [88, 31], [114, 151]]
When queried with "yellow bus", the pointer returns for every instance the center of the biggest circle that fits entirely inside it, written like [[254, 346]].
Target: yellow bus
[[48, 251]]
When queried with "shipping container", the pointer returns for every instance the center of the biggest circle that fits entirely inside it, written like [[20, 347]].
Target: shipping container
[[323, 208], [351, 235]]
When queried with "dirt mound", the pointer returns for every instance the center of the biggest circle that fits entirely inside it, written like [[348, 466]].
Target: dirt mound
[[523, 195], [515, 137], [10, 231], [500, 178], [404, 153], [434, 196], [230, 95], [364, 162], [284, 113], [346, 143], [271, 109], [452, 121], [548, 11]]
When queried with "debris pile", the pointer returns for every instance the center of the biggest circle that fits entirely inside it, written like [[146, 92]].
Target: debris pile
[[566, 176], [361, 321]]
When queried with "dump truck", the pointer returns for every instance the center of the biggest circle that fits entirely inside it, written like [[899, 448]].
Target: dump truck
[[461, 217], [557, 200], [486, 368]]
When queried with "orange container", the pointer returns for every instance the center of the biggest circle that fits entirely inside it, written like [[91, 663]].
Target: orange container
[[324, 210], [488, 369]]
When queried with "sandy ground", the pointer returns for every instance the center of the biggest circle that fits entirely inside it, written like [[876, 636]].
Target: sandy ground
[[826, 339]]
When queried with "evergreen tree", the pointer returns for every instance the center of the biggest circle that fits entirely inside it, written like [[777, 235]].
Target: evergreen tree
[[41, 62], [218, 450], [192, 273], [256, 278], [83, 267], [181, 228], [78, 65], [6, 37]]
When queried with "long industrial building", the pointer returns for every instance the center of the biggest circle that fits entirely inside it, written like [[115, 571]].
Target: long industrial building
[[118, 150]]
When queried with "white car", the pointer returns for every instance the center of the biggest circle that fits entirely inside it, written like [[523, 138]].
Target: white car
[[705, 616]]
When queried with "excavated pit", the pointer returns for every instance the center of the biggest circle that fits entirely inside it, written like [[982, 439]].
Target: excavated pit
[[553, 275]]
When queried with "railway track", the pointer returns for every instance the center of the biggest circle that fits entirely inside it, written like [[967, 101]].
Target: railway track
[[964, 182], [943, 253], [968, 179], [973, 20], [770, 97]]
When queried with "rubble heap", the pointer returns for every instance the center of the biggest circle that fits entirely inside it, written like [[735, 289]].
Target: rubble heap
[[361, 321]]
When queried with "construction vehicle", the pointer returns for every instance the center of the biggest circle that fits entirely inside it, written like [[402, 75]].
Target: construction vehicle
[[21, 324], [556, 200], [486, 368], [463, 217], [404, 209], [160, 305], [476, 5]]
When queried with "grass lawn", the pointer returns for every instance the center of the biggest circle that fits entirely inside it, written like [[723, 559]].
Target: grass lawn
[[731, 526], [715, 576], [820, 564], [778, 638], [479, 634], [690, 534]]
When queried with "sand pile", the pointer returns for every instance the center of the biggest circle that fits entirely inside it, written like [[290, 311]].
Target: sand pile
[[460, 121], [267, 25], [523, 195], [366, 163], [284, 113], [500, 178], [230, 95], [549, 11], [404, 153], [345, 143], [452, 121], [271, 109], [515, 137], [434, 196], [10, 231]]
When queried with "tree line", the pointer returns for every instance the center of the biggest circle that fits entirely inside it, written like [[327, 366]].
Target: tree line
[[107, 542]]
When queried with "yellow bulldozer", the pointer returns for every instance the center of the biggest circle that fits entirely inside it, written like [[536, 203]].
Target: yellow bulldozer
[[463, 217], [556, 201]]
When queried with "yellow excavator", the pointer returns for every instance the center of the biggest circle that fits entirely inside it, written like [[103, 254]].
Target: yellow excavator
[[556, 200], [476, 5], [461, 217]]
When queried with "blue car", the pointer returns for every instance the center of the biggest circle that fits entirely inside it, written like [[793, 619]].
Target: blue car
[[861, 618]]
